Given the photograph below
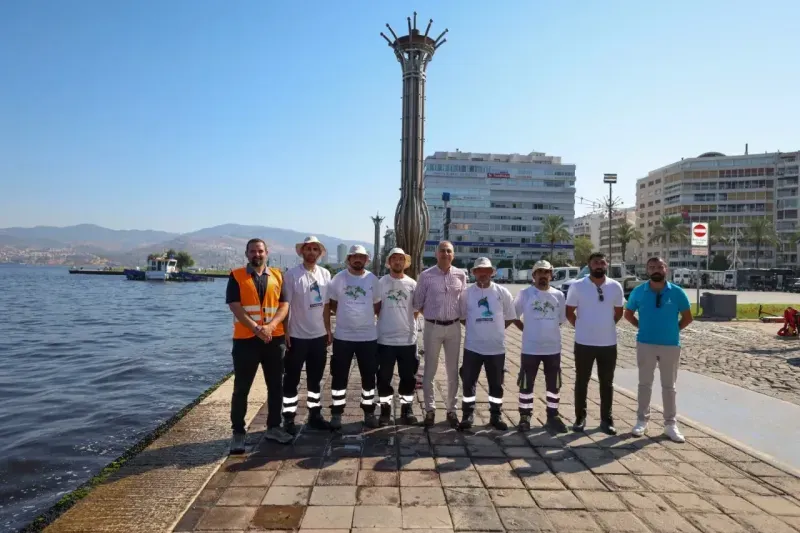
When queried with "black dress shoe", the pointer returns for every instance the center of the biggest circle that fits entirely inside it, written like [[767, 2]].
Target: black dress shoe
[[430, 419], [452, 419], [607, 427], [580, 424]]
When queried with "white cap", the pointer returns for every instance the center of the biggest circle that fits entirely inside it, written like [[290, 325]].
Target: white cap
[[357, 249], [483, 262], [309, 240], [395, 251], [542, 265]]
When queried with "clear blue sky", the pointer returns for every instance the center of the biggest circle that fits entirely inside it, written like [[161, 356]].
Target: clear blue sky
[[184, 114]]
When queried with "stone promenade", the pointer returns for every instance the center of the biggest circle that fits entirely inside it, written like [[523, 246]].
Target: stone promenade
[[402, 478], [731, 352]]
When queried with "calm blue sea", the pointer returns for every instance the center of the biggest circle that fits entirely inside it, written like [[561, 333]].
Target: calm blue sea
[[88, 366]]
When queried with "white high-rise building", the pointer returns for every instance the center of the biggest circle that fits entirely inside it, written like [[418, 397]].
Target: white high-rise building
[[341, 252], [498, 203]]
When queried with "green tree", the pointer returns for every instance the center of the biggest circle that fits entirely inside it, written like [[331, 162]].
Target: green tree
[[760, 232], [171, 253], [554, 230], [184, 260], [504, 263], [716, 234], [583, 249], [627, 232], [670, 231], [719, 262]]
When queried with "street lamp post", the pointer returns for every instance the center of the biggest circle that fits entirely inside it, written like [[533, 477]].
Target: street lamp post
[[446, 226], [411, 221], [611, 179]]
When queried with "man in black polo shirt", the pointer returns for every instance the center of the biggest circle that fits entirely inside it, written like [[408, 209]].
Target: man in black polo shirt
[[254, 296]]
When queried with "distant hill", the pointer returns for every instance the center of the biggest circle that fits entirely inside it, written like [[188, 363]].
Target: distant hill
[[218, 246]]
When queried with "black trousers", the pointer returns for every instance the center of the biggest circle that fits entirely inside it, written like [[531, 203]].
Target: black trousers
[[606, 357], [248, 354], [470, 371], [529, 368], [314, 354], [365, 353], [407, 365]]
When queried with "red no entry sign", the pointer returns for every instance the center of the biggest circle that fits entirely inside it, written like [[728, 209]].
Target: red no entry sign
[[700, 230]]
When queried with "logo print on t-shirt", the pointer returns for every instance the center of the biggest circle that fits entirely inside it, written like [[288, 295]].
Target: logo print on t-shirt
[[397, 295], [315, 289], [543, 307], [484, 303], [354, 291]]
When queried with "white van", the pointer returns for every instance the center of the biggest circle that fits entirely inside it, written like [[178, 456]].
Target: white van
[[562, 274]]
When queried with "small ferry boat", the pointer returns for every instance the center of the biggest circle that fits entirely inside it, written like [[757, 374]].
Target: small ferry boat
[[162, 268]]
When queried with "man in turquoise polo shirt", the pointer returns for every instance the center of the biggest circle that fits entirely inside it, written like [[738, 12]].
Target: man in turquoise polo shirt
[[663, 310]]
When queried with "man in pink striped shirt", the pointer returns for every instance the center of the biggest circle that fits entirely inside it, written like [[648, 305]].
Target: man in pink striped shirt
[[437, 294]]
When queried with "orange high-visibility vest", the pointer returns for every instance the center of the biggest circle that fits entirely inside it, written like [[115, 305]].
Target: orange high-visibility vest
[[261, 312]]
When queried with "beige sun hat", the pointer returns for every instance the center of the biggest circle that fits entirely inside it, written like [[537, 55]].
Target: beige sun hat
[[357, 249], [394, 251], [483, 262], [542, 265], [309, 240]]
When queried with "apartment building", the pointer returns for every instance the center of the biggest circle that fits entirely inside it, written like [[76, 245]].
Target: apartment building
[[733, 190], [498, 203], [594, 226]]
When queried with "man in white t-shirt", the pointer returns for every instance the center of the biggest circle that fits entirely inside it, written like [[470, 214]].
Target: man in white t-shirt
[[541, 310], [598, 301], [397, 338], [304, 287], [355, 297], [486, 309]]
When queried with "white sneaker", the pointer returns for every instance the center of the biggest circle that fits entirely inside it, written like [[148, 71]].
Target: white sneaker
[[639, 428], [674, 434]]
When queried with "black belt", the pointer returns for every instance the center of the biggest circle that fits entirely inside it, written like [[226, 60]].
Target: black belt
[[441, 322]]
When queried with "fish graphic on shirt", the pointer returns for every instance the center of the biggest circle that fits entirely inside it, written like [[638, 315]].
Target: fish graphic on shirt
[[354, 292], [314, 288], [483, 303]]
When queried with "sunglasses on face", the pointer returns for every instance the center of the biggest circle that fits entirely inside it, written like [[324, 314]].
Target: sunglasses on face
[[658, 300], [600, 294]]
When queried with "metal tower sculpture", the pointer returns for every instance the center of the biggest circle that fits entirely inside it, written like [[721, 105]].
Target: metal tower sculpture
[[413, 51], [376, 253]]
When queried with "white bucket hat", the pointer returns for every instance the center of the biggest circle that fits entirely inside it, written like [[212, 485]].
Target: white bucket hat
[[542, 265], [483, 262], [395, 251], [357, 249], [309, 240]]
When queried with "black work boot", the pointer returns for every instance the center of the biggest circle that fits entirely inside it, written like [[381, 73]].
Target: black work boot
[[555, 423], [370, 421], [407, 417], [336, 422], [316, 421], [289, 425], [430, 419], [524, 423], [496, 421], [386, 415], [467, 420]]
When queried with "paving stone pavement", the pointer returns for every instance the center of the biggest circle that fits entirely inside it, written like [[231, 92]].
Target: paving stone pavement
[[404, 478], [728, 352]]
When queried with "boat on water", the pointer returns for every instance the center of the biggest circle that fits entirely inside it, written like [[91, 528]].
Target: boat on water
[[163, 268]]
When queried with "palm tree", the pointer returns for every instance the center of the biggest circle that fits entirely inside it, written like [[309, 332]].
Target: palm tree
[[553, 231], [671, 231], [760, 232], [716, 234], [627, 232]]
